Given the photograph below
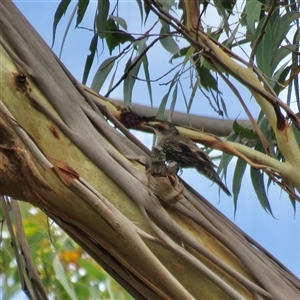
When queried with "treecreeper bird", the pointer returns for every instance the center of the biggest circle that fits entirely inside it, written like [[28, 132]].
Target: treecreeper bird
[[185, 152]]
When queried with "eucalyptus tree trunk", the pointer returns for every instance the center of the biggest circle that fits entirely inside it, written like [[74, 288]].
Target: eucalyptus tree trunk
[[155, 235]]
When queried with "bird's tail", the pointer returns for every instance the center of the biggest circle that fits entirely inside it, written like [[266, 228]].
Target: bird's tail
[[211, 174], [222, 186]]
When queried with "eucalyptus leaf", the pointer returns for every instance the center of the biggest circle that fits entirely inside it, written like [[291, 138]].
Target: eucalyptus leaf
[[163, 103], [139, 3], [180, 53], [101, 18], [66, 30], [166, 3], [174, 99], [268, 132], [61, 276], [119, 21], [280, 80], [280, 54], [206, 79], [167, 40], [162, 106], [259, 187], [239, 171], [228, 5], [244, 132], [226, 158], [114, 37], [90, 58], [147, 76], [130, 80], [192, 96], [252, 9], [296, 131], [82, 6], [102, 73], [222, 12], [60, 11], [284, 27], [264, 51], [224, 107]]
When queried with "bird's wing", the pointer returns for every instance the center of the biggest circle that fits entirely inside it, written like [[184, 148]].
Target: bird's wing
[[174, 147], [193, 150]]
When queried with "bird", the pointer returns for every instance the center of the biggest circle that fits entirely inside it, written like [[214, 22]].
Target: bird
[[185, 152]]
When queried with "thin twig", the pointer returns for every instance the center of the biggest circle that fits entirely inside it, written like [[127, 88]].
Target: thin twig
[[165, 74], [253, 122], [127, 72]]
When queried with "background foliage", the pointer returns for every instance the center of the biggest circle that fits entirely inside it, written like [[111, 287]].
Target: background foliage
[[67, 272]]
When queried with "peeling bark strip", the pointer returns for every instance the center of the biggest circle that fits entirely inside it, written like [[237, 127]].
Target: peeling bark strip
[[186, 251]]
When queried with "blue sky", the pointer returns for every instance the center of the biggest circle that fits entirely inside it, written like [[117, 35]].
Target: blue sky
[[280, 236]]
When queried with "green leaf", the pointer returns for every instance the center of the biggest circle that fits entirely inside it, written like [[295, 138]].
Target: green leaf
[[61, 276], [184, 97], [90, 58], [284, 26], [146, 9], [228, 5], [119, 21], [167, 40], [163, 103], [60, 11], [292, 199], [224, 107], [130, 80], [167, 3], [112, 78], [257, 178], [223, 13], [252, 9], [102, 73], [174, 98], [264, 51], [280, 54], [296, 130], [147, 76], [67, 29], [162, 106], [239, 171], [180, 53], [206, 79], [296, 38], [103, 9], [91, 268], [226, 158], [244, 132], [82, 6], [268, 132], [232, 38], [194, 90], [243, 41], [82, 291], [281, 78], [114, 36], [139, 2]]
